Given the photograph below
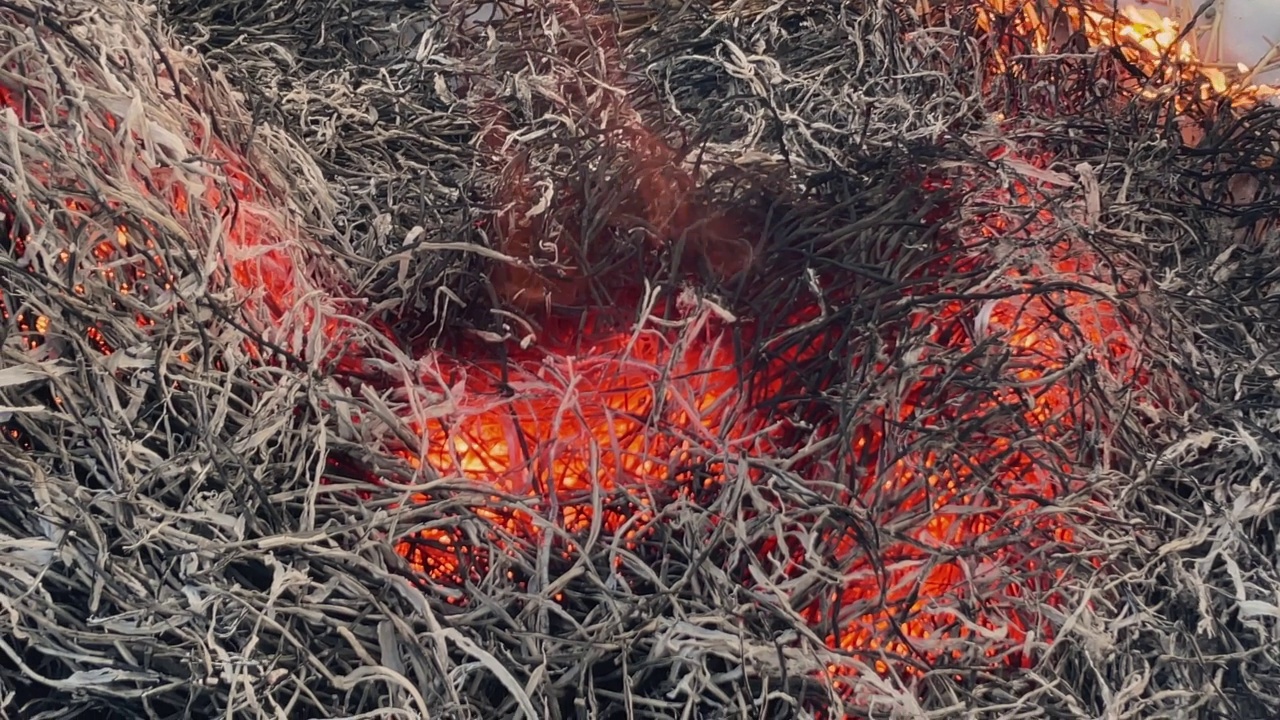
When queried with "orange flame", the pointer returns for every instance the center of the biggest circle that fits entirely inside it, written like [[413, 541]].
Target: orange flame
[[1157, 44]]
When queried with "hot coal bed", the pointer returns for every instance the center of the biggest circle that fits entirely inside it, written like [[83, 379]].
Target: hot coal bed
[[859, 359]]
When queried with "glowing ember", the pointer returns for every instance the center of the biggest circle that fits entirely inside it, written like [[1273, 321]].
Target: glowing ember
[[591, 444], [273, 291]]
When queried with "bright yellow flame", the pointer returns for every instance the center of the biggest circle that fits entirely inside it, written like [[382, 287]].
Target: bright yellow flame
[[1153, 42]]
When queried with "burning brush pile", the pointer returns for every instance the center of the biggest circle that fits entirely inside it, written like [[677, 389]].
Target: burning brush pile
[[592, 360]]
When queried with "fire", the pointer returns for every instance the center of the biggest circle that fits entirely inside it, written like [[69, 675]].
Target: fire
[[589, 433], [1159, 45], [594, 435]]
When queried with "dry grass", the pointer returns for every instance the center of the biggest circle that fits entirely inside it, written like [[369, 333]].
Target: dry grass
[[195, 525]]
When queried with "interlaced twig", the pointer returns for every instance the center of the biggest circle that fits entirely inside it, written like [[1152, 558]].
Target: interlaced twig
[[980, 423]]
